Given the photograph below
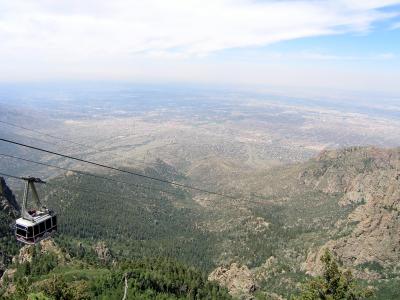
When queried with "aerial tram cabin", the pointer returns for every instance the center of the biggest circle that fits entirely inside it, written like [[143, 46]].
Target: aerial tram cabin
[[34, 224]]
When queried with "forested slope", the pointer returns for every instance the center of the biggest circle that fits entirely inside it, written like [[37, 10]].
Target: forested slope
[[47, 271], [134, 219]]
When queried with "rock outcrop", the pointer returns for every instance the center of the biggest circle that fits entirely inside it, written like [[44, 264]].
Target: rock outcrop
[[45, 247], [6, 281], [103, 252], [8, 203], [25, 255], [239, 280], [369, 180], [266, 270]]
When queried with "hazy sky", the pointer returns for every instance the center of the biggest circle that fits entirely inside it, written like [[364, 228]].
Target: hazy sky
[[348, 44]]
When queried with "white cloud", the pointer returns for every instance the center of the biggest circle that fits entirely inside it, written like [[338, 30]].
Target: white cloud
[[325, 56], [119, 38], [82, 29]]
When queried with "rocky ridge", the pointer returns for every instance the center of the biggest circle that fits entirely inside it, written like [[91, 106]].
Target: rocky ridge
[[243, 282], [238, 279], [367, 178], [26, 255]]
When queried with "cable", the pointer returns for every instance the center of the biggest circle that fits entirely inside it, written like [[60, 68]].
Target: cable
[[117, 169], [39, 140], [103, 192], [84, 145], [11, 176], [108, 179], [43, 133], [71, 141], [64, 140], [88, 174], [83, 189], [65, 188]]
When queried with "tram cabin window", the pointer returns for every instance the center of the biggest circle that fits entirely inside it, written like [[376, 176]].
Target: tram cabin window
[[54, 220], [21, 232], [30, 232], [42, 227], [48, 224], [36, 230]]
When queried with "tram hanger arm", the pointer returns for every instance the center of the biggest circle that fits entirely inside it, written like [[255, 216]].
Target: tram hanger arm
[[30, 184]]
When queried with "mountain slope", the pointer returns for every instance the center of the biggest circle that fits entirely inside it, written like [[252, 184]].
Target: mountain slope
[[9, 210], [346, 200]]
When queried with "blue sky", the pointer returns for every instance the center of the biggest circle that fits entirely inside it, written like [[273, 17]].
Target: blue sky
[[344, 44]]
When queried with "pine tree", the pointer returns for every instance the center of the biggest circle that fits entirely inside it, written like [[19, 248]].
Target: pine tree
[[334, 284]]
